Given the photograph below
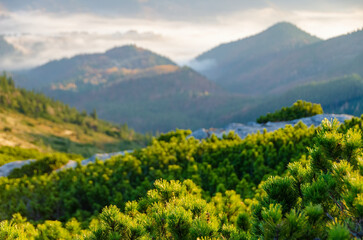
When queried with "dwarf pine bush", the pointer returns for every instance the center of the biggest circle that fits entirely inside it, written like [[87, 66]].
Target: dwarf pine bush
[[320, 197], [299, 109], [174, 210]]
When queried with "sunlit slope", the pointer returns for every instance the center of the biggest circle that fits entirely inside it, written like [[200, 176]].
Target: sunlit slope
[[32, 120]]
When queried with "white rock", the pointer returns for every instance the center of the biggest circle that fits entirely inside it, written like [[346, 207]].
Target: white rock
[[8, 167], [70, 164], [103, 156], [252, 127]]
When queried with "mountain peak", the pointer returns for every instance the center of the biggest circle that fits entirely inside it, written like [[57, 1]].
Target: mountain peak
[[281, 36], [143, 56], [235, 57], [284, 25], [286, 30], [126, 49], [88, 70]]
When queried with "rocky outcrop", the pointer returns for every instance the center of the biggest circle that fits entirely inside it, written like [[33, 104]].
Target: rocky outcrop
[[104, 156], [7, 168], [98, 156], [252, 127], [241, 129]]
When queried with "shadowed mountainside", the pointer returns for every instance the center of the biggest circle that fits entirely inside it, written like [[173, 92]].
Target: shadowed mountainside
[[281, 58], [148, 91]]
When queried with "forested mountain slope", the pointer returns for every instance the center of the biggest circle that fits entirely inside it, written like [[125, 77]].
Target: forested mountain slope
[[133, 85], [181, 99], [248, 52], [87, 71], [32, 120], [281, 58], [340, 95]]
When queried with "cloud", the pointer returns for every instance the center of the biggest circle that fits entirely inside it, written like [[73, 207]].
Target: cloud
[[202, 65], [322, 24], [329, 24], [43, 35], [180, 10], [39, 49]]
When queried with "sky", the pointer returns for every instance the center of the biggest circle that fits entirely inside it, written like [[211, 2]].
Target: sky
[[44, 30]]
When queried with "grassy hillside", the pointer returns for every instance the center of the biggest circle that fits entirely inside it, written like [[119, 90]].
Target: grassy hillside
[[32, 120]]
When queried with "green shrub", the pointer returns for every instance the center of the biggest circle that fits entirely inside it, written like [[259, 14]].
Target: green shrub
[[324, 191], [299, 109], [44, 165]]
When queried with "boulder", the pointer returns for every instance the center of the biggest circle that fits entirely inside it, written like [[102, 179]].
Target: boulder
[[7, 168], [242, 130]]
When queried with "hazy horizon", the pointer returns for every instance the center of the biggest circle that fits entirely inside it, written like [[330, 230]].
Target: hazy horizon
[[46, 30]]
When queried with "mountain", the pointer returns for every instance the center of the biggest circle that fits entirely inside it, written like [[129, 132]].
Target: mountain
[[32, 120], [239, 56], [134, 86], [150, 92], [84, 72], [180, 99], [281, 58]]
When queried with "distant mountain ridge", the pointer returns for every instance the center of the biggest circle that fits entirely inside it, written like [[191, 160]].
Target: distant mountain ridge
[[264, 64], [255, 75], [133, 85], [81, 72], [280, 37]]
